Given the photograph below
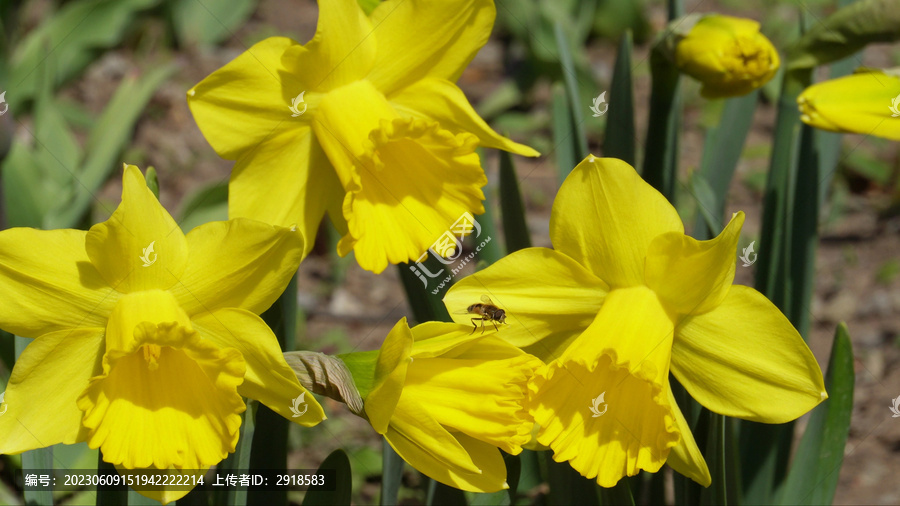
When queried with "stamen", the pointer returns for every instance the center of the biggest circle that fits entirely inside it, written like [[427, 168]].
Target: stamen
[[151, 354]]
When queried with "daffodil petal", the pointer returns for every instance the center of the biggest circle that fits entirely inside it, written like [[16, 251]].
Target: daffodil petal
[[342, 51], [862, 103], [442, 101], [287, 180], [488, 459], [559, 300], [422, 441], [245, 103], [49, 283], [691, 276], [142, 391], [133, 309], [605, 217], [390, 376], [745, 359], [489, 409], [268, 378], [39, 406], [238, 263], [140, 247], [685, 457], [419, 39]]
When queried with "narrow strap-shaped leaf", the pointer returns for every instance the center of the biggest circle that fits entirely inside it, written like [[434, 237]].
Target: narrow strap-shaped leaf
[[340, 496], [515, 229], [619, 138], [619, 495], [813, 477], [392, 474], [426, 306], [716, 493], [239, 461], [111, 495], [439, 494], [570, 76], [661, 149], [563, 133]]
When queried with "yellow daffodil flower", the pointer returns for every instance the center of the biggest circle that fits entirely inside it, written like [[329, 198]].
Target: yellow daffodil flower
[[728, 55], [867, 102], [446, 399], [364, 121], [623, 299], [145, 339]]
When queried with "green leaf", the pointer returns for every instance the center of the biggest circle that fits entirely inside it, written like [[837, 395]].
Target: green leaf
[[565, 144], [152, 181], [721, 153], [619, 495], [240, 459], [619, 138], [25, 191], [72, 35], [110, 135], [661, 149], [570, 77], [567, 486], [209, 22], [813, 477], [392, 475], [443, 495], [206, 204], [112, 495], [515, 229], [340, 496]]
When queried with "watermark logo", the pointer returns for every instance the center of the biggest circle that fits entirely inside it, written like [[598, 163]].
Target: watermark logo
[[895, 106], [895, 407], [2, 404], [146, 256], [748, 251], [600, 100], [3, 105], [295, 103], [595, 406], [295, 407], [448, 249]]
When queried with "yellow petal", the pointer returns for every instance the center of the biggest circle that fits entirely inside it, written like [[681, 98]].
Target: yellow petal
[[442, 101], [238, 263], [546, 296], [685, 457], [691, 276], [39, 406], [268, 378], [49, 283], [154, 306], [287, 180], [863, 103], [140, 247], [427, 39], [605, 217], [342, 51], [745, 359], [390, 376], [727, 55], [489, 408], [141, 415], [421, 440], [245, 103]]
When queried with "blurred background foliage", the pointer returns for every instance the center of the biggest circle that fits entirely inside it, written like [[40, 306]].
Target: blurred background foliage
[[93, 83]]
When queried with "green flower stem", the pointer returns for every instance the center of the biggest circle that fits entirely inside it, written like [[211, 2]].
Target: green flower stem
[[270, 437]]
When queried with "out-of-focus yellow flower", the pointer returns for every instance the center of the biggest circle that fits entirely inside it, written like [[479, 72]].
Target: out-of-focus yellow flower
[[623, 299], [446, 399], [728, 55], [145, 339], [867, 102], [364, 121]]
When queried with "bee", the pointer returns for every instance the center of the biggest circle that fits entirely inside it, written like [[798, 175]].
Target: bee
[[487, 312]]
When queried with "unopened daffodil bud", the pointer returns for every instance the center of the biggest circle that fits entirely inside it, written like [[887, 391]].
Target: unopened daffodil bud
[[867, 102], [728, 55]]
